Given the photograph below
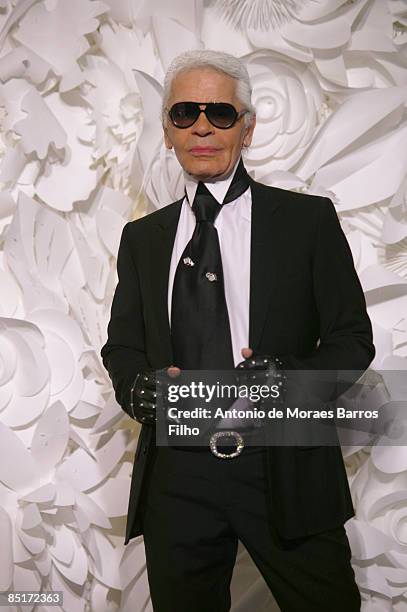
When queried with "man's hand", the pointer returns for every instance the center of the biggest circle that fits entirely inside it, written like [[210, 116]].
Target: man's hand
[[143, 395], [262, 369], [259, 361]]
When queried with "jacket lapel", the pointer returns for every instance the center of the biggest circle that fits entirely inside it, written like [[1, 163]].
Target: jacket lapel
[[161, 245], [264, 242]]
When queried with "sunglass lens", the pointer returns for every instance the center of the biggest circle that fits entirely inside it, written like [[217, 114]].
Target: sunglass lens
[[221, 115], [184, 114]]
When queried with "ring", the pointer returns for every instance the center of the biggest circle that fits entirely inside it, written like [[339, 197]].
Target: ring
[[226, 434]]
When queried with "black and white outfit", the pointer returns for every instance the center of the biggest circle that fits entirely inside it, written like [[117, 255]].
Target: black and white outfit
[[291, 290]]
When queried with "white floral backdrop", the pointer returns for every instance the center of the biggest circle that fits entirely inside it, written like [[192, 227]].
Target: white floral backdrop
[[81, 152]]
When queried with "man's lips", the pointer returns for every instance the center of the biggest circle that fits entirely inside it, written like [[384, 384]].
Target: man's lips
[[204, 150]]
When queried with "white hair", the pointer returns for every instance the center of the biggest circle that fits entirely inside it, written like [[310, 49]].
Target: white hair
[[215, 60]]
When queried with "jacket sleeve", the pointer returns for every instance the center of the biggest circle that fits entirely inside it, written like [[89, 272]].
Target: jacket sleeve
[[346, 339], [124, 354]]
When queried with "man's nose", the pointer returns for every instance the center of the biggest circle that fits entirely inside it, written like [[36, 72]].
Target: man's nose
[[202, 126]]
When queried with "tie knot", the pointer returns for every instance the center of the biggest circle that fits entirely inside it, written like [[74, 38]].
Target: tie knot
[[205, 206]]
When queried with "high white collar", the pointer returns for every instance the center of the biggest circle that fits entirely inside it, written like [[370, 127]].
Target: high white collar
[[217, 188]]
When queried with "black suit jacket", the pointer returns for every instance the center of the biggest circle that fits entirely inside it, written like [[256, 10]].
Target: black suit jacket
[[306, 304]]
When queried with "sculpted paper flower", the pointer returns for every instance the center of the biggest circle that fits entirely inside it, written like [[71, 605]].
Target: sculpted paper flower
[[289, 107], [25, 373], [395, 222], [37, 247], [259, 14], [48, 464], [350, 43], [56, 32], [115, 104], [163, 181]]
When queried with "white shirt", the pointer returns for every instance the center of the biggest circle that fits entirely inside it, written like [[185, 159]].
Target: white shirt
[[233, 224]]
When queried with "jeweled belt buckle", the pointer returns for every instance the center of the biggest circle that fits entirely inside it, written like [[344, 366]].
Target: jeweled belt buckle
[[226, 434]]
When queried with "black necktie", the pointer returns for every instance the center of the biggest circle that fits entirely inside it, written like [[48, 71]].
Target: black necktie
[[200, 327]]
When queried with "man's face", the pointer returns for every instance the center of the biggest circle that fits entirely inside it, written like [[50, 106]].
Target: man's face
[[203, 150]]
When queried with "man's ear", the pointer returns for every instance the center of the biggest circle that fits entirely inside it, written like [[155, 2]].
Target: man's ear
[[167, 140], [249, 132]]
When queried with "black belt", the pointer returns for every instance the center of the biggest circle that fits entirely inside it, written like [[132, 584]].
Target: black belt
[[218, 449], [222, 451]]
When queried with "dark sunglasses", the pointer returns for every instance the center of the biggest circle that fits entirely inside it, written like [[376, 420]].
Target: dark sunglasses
[[220, 114]]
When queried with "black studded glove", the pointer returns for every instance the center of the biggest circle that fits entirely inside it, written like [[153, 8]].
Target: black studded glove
[[263, 369], [143, 397], [259, 361]]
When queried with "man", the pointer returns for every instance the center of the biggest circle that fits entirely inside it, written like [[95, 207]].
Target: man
[[281, 282]]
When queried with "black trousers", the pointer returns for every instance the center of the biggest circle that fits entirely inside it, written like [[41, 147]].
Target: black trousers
[[197, 508]]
